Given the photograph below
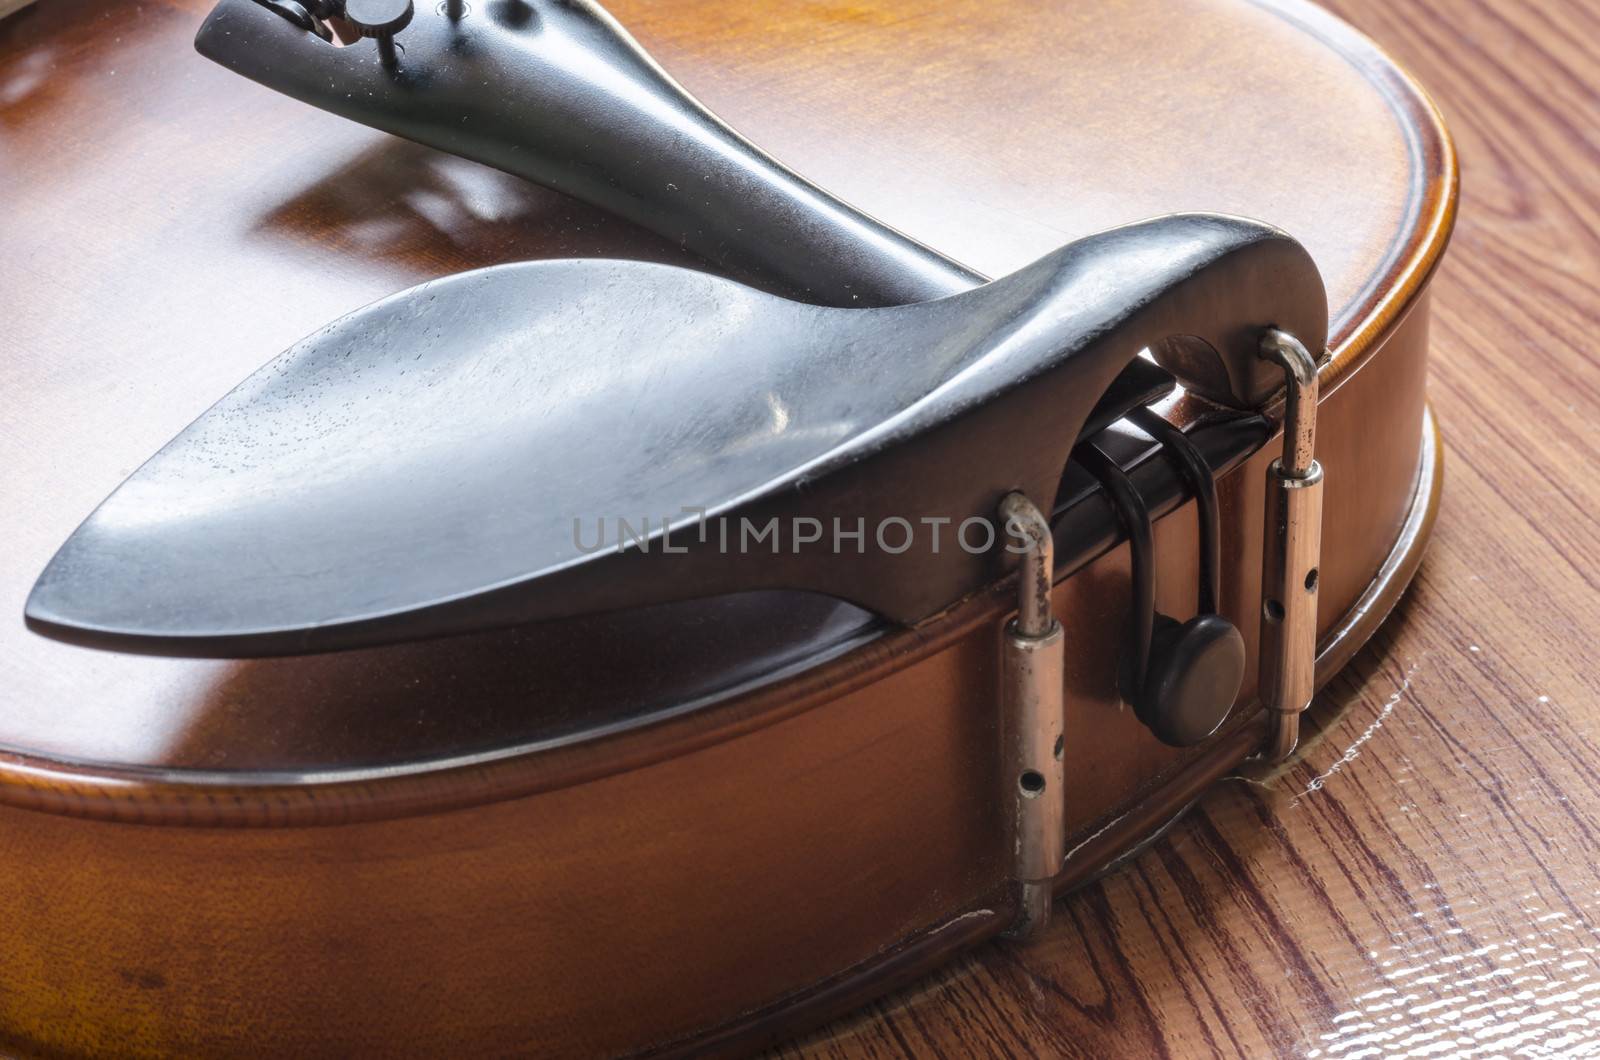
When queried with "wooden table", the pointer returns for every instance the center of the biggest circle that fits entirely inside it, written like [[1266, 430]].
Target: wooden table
[[1423, 879]]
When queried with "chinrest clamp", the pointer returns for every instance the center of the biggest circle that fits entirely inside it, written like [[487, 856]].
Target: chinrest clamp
[[1292, 552], [1033, 704]]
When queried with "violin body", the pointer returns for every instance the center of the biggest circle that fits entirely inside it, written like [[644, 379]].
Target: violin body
[[690, 825]]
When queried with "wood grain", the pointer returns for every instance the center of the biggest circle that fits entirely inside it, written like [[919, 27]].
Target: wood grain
[[1423, 879]]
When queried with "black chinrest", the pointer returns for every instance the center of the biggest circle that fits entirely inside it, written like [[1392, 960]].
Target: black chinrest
[[463, 454]]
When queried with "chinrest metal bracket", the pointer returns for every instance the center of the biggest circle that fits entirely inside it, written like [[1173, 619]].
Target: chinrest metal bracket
[[1033, 721], [1292, 552], [1033, 697]]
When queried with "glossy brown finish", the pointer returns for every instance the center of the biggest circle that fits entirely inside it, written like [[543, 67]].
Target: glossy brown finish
[[409, 850]]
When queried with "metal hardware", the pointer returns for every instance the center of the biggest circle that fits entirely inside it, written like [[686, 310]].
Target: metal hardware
[[1033, 704], [1292, 552]]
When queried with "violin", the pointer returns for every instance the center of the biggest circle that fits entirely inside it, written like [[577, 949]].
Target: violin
[[752, 500]]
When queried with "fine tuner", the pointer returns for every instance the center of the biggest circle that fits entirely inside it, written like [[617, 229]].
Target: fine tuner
[[379, 20]]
